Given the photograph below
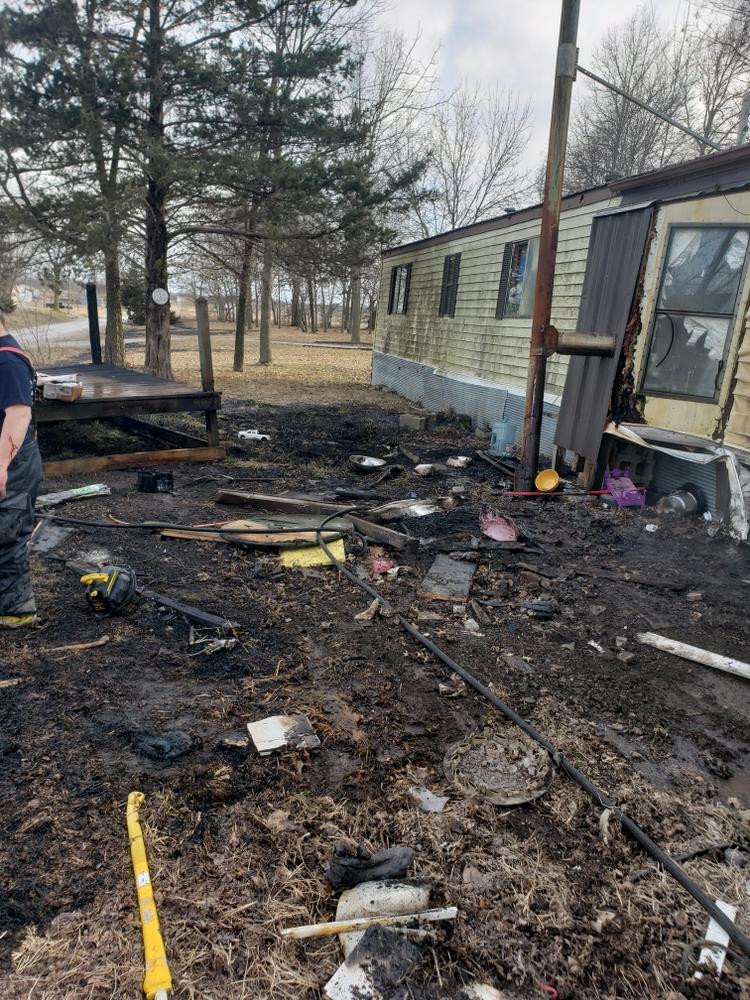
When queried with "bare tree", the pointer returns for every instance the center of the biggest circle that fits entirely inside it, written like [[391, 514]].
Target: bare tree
[[721, 68], [477, 143], [391, 92], [696, 74], [612, 136]]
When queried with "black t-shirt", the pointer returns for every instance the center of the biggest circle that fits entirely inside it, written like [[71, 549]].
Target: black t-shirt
[[16, 381]]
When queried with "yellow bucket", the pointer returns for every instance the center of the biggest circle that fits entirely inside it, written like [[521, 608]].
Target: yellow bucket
[[547, 481]]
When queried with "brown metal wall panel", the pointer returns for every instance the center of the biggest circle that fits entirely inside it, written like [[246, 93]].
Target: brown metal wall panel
[[614, 261]]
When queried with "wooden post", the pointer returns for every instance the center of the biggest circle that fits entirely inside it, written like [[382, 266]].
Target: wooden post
[[207, 368], [95, 338]]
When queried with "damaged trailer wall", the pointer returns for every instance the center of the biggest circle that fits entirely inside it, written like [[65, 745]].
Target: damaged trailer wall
[[701, 417], [473, 347]]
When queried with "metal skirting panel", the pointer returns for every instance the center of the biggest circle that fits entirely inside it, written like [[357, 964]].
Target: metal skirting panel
[[404, 377], [485, 402], [671, 474]]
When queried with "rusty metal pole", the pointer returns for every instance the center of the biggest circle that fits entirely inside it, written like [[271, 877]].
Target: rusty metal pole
[[542, 343]]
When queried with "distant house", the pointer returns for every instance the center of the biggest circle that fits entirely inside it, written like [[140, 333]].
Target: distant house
[[660, 260]]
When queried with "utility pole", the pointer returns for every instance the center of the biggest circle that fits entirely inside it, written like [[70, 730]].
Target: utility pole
[[542, 338], [742, 125]]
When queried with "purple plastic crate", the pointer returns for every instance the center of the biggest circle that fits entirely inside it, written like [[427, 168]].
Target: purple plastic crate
[[622, 488]]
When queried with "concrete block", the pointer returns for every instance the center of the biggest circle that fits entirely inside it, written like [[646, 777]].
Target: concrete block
[[412, 422]]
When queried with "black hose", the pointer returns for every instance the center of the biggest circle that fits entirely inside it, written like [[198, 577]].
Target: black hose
[[641, 838]]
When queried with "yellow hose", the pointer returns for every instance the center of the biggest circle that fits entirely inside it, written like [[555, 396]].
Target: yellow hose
[[157, 979]]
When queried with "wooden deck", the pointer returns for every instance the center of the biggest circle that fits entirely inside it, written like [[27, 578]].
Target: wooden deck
[[120, 395], [109, 391]]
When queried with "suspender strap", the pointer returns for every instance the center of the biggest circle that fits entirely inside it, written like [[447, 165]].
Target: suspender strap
[[20, 353]]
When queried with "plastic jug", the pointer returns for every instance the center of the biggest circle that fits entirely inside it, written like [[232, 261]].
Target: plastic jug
[[502, 438]]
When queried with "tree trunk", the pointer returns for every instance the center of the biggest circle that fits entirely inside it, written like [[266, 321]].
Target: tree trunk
[[265, 305], [311, 298], [241, 321], [114, 346], [294, 319], [355, 317], [157, 316], [323, 310], [371, 314], [345, 295]]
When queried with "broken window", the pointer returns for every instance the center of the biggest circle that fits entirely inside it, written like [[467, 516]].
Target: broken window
[[398, 300], [515, 296], [449, 287], [692, 325]]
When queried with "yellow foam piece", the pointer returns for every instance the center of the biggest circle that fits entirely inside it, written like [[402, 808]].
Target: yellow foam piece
[[313, 555], [157, 980]]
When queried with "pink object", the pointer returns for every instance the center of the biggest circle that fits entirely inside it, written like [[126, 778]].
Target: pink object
[[624, 492], [378, 566], [501, 529]]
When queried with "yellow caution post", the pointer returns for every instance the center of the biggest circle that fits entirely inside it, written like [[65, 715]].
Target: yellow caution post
[[157, 980]]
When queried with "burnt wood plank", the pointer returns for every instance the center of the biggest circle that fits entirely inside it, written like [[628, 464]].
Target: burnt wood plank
[[74, 466]]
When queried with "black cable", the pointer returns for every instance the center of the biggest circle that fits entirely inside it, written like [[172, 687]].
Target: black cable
[[639, 835]]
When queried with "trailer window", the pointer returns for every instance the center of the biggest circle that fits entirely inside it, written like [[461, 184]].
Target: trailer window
[[449, 286], [697, 300], [398, 299], [515, 296]]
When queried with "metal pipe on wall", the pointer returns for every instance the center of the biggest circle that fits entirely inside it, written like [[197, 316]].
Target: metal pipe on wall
[[565, 71]]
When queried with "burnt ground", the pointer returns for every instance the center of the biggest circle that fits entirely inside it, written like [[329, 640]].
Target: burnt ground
[[551, 895]]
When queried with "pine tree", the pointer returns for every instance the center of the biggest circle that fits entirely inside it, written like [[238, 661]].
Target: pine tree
[[67, 93]]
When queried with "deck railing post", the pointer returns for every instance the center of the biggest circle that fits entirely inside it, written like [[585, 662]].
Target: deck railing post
[[207, 368], [95, 338]]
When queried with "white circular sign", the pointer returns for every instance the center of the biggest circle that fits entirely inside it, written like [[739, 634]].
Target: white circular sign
[[160, 296]]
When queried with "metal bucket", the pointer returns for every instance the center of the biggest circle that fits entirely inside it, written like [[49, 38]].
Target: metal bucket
[[680, 502]]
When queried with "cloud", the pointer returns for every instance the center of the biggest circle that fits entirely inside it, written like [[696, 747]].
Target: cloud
[[510, 43]]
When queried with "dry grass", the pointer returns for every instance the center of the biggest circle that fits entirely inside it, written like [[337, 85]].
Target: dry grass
[[298, 374], [228, 881]]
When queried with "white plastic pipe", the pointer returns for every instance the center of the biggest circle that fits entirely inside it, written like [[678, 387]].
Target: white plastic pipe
[[726, 663], [362, 923]]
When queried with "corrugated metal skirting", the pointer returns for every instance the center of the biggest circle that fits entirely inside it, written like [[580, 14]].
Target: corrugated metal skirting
[[483, 402], [671, 474]]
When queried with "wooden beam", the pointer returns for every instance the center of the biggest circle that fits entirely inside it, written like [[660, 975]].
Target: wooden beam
[[74, 466], [385, 536], [207, 367], [90, 409], [179, 438], [267, 501], [297, 505]]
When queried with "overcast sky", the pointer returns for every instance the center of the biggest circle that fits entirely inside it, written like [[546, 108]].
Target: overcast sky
[[512, 42]]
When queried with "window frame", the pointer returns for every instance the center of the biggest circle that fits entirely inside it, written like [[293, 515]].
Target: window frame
[[503, 288], [656, 312], [397, 271], [449, 288]]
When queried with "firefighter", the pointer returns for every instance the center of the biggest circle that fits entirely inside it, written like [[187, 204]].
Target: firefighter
[[20, 480]]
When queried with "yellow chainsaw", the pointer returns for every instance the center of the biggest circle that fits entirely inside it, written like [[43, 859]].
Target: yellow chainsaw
[[110, 589]]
